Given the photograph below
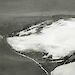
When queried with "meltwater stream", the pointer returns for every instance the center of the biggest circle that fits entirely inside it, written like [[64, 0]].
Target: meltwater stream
[[55, 41]]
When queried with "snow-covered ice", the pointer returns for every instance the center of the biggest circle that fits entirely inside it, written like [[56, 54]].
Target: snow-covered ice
[[57, 39], [67, 69]]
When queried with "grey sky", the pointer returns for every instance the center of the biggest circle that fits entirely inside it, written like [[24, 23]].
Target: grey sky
[[31, 6]]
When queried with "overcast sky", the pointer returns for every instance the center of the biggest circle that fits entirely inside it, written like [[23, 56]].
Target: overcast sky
[[31, 6]]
